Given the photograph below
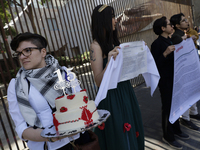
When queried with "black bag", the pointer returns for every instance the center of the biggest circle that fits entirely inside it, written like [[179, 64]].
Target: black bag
[[87, 141]]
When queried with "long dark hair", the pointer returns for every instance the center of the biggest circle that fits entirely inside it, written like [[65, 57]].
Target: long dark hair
[[102, 30]]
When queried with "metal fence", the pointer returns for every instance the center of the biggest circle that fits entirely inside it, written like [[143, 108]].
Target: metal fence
[[66, 26]]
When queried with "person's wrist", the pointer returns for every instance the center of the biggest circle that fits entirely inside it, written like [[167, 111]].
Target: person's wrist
[[164, 54]]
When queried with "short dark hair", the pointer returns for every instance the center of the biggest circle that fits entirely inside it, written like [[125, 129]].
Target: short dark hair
[[176, 19], [34, 38], [158, 24]]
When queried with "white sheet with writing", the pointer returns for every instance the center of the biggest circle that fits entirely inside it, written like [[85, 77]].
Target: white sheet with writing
[[186, 88], [134, 58]]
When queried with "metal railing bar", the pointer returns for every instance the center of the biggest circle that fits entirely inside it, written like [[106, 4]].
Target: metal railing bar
[[6, 47], [61, 42], [36, 18], [45, 33], [5, 133], [83, 27], [65, 40], [47, 2], [6, 18], [22, 6], [83, 23], [16, 9], [1, 145], [12, 16], [3, 78], [72, 42], [52, 25], [91, 6], [64, 21], [81, 43], [89, 41], [7, 68], [3, 126], [48, 28], [66, 32]]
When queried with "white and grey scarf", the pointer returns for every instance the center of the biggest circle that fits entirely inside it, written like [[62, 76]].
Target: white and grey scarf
[[43, 79]]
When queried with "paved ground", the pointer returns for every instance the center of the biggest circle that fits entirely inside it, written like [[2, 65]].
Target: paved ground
[[151, 115]]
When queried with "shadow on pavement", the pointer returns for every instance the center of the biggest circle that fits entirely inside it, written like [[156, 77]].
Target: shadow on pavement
[[151, 116]]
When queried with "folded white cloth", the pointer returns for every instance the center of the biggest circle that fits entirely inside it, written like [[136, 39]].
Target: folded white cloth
[[112, 74], [110, 78], [152, 75]]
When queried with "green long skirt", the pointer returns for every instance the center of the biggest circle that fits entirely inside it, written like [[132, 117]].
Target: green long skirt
[[124, 108]]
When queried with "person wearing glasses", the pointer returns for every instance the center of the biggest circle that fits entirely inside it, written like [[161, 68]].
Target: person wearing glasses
[[123, 129], [162, 50], [31, 95], [181, 24], [181, 27]]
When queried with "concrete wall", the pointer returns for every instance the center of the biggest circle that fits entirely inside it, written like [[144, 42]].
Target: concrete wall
[[196, 12], [157, 9]]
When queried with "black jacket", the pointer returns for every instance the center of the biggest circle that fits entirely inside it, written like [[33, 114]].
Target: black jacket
[[165, 65], [177, 36]]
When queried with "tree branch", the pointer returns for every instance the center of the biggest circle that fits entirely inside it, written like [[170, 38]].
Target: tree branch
[[18, 4]]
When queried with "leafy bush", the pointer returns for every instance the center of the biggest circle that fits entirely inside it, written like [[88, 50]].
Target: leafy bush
[[77, 60], [6, 75]]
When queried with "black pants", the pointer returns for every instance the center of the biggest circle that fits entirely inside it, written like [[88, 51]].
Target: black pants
[[83, 139], [168, 128]]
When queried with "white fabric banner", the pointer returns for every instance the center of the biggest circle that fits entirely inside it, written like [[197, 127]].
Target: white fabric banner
[[134, 58], [186, 86]]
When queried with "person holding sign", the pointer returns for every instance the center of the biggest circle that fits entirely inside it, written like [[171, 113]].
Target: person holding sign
[[180, 25], [163, 53], [31, 95], [123, 130]]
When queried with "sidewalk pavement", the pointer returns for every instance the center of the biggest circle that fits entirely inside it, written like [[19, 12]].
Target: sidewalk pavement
[[151, 116]]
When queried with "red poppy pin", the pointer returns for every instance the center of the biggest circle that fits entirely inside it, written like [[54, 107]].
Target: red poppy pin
[[137, 134], [101, 126], [127, 127]]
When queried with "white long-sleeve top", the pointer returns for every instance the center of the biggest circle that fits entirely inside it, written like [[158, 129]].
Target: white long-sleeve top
[[43, 111]]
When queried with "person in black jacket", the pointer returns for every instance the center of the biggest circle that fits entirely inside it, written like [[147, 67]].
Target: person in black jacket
[[162, 51], [181, 24]]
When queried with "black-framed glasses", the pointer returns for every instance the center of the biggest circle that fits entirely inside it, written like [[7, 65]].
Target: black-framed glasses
[[184, 20], [170, 24], [26, 52]]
